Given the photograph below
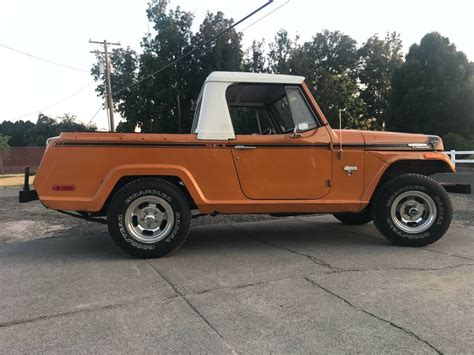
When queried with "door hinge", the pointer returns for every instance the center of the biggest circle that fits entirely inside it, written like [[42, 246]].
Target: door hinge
[[329, 183]]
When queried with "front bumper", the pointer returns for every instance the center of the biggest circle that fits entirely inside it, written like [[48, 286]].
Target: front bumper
[[26, 194]]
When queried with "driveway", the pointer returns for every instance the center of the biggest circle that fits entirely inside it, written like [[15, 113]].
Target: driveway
[[306, 284]]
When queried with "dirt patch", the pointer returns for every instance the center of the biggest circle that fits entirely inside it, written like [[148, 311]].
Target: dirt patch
[[27, 230], [13, 180]]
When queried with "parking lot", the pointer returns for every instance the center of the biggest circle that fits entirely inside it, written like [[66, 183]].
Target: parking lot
[[241, 284]]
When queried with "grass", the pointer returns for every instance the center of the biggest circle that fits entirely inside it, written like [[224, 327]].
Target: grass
[[13, 180]]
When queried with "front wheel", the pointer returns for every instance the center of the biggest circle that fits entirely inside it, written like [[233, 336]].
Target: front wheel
[[149, 218], [412, 210]]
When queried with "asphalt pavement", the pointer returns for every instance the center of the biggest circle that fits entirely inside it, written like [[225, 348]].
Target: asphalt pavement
[[305, 284]]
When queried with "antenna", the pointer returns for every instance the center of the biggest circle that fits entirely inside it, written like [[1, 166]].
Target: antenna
[[340, 154]]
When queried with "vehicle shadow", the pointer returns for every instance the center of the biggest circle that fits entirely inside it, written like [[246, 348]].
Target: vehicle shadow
[[250, 238]]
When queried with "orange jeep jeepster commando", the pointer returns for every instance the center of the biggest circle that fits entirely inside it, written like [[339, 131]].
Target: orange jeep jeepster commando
[[259, 144]]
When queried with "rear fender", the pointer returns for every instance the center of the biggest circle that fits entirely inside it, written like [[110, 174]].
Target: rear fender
[[97, 202]]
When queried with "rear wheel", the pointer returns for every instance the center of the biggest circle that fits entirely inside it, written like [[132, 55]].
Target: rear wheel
[[412, 210], [149, 218], [362, 217]]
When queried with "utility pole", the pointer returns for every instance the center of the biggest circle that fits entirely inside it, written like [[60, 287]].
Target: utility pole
[[108, 84]]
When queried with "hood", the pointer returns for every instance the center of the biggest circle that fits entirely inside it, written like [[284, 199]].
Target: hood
[[401, 141], [374, 140]]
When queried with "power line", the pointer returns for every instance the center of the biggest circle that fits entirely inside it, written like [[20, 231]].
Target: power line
[[261, 18], [43, 59], [95, 114], [54, 104], [152, 75]]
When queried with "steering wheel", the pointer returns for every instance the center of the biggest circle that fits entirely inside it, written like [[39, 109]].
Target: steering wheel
[[268, 131]]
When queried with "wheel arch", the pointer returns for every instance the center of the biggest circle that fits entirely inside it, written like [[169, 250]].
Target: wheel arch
[[424, 167], [124, 180]]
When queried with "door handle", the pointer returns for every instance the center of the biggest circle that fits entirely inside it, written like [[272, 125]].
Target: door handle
[[243, 147]]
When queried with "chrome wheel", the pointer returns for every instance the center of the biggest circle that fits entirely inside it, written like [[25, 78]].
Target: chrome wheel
[[149, 219], [413, 212]]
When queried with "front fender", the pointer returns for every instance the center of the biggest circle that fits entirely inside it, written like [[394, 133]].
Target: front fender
[[426, 163]]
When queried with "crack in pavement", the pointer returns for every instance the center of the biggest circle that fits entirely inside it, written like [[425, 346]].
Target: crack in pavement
[[310, 257], [237, 287], [404, 268], [394, 325], [448, 254], [77, 311], [372, 237], [264, 282], [336, 269], [190, 304]]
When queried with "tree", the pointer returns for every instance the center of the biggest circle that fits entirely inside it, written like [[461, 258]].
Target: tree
[[224, 54], [330, 62], [254, 60], [30, 134], [4, 143], [433, 91], [454, 141], [47, 127], [16, 131], [379, 58], [281, 51], [150, 100]]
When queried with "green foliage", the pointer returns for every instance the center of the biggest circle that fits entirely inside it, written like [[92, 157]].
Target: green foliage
[[30, 134], [454, 141], [151, 104], [433, 91], [4, 146], [379, 58], [329, 62], [254, 60], [280, 54]]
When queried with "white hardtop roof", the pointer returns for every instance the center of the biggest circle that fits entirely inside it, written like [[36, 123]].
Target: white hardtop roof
[[242, 77]]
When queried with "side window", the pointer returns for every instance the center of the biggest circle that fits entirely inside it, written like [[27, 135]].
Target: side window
[[299, 108], [282, 113], [267, 108], [250, 120], [244, 119]]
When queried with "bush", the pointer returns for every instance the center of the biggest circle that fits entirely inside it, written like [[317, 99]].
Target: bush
[[457, 142]]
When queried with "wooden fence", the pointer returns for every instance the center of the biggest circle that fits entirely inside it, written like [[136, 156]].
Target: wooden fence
[[16, 159]]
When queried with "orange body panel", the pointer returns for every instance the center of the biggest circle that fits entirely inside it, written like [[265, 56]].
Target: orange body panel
[[278, 173], [210, 172]]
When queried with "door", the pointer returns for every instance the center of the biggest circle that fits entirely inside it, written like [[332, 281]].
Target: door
[[273, 159]]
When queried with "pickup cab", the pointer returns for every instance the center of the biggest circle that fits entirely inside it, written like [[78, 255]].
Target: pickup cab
[[259, 144]]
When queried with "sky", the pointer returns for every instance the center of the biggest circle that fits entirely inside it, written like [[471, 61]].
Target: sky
[[59, 31]]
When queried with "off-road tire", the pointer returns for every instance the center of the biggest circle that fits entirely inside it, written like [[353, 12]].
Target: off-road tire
[[387, 195], [350, 218], [149, 187]]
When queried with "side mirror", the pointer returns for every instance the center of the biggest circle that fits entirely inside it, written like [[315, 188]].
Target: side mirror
[[299, 128]]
